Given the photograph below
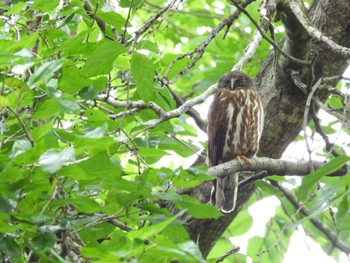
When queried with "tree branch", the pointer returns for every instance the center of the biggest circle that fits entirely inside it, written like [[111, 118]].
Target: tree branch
[[163, 115], [26, 132], [202, 124], [273, 43], [270, 166], [228, 253], [314, 32]]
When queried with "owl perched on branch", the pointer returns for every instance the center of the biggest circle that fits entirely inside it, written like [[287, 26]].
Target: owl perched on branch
[[235, 123]]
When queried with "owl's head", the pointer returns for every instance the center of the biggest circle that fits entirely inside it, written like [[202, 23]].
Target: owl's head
[[236, 80]]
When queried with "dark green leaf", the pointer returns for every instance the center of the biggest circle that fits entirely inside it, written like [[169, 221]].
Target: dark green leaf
[[43, 242], [10, 248]]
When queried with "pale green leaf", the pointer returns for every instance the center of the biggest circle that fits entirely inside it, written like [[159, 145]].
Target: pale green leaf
[[44, 73], [4, 102], [52, 160]]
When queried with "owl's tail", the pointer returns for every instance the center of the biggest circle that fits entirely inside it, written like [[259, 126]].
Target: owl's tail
[[224, 193]]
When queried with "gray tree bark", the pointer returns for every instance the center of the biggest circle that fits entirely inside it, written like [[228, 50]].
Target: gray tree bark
[[284, 102]]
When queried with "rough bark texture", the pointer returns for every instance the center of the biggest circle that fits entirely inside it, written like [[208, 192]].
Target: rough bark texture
[[284, 103]]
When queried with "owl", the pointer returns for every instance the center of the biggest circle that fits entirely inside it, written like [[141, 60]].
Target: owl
[[235, 123]]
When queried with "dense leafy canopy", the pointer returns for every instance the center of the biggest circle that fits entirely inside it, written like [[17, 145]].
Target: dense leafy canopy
[[82, 178]]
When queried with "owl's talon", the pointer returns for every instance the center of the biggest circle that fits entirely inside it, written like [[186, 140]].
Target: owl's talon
[[241, 157]]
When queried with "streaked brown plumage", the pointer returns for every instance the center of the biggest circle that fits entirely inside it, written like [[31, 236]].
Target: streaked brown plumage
[[235, 122]]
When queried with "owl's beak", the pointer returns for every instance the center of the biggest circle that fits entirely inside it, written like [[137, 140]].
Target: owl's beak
[[232, 84]]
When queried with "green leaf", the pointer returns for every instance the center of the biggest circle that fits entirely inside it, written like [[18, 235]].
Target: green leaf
[[100, 166], [71, 81], [100, 62], [312, 179], [39, 132], [9, 247], [47, 109], [44, 5], [4, 102], [112, 18], [52, 160], [44, 73], [242, 223], [176, 233], [99, 132], [68, 105], [268, 188], [95, 115], [43, 242], [190, 178], [196, 209], [82, 204], [149, 231], [143, 71], [131, 3]]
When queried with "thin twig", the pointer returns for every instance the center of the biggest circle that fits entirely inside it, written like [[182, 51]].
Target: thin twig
[[251, 48], [26, 132], [228, 253], [332, 236], [255, 177], [329, 146], [320, 104], [164, 116], [127, 21], [202, 124], [306, 118], [149, 23], [201, 48]]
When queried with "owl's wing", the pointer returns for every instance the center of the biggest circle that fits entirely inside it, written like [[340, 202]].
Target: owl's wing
[[216, 131]]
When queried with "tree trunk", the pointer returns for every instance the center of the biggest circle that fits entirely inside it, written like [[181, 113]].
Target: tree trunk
[[283, 101]]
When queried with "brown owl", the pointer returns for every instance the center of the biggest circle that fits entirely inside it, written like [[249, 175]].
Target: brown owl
[[235, 123]]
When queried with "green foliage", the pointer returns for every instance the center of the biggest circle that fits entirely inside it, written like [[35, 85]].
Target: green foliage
[[83, 175]]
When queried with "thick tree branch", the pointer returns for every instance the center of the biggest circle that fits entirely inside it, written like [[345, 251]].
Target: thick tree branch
[[314, 32], [331, 235], [271, 41], [271, 166]]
